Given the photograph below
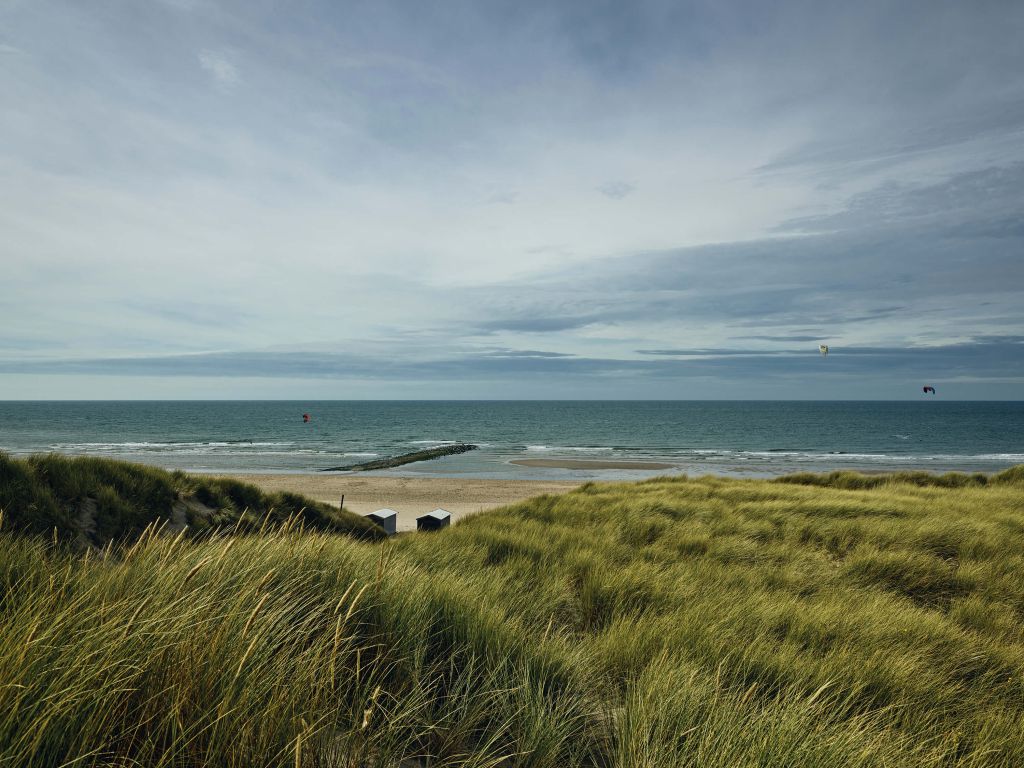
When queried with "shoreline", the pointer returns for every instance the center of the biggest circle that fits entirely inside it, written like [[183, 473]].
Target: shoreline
[[409, 496], [591, 464]]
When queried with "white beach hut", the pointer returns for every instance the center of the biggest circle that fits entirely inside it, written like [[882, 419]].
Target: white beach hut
[[386, 519], [432, 521]]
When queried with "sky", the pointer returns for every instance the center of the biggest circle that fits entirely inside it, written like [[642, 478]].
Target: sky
[[511, 200]]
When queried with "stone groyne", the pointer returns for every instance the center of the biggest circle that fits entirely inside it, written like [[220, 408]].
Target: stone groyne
[[405, 458]]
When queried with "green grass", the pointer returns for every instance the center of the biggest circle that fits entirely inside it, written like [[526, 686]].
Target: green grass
[[815, 621], [91, 502]]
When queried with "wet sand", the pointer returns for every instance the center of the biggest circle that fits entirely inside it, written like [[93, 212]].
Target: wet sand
[[409, 496], [590, 464]]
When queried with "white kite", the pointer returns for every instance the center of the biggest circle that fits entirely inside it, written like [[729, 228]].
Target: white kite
[[823, 348]]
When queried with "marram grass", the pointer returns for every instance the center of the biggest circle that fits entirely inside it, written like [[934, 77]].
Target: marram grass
[[90, 502], [841, 621], [286, 649]]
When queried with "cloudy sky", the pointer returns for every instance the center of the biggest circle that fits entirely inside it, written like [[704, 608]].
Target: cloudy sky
[[523, 199]]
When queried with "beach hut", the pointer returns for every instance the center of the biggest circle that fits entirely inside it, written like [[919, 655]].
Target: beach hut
[[386, 519], [432, 521]]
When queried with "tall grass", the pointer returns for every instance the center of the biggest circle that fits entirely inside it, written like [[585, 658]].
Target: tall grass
[[834, 620], [285, 649], [820, 621], [92, 501]]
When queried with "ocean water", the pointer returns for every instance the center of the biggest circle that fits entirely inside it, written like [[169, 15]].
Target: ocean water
[[728, 438]]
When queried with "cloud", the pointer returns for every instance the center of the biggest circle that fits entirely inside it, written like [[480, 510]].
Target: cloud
[[868, 365], [182, 5], [785, 337], [521, 353], [505, 197], [916, 275], [983, 202], [616, 190], [539, 321], [715, 352], [415, 190], [220, 66], [1001, 118], [190, 313]]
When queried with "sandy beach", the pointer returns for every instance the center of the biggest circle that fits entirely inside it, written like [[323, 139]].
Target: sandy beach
[[409, 496]]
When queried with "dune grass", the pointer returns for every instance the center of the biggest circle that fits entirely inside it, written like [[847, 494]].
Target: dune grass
[[93, 501], [819, 621], [788, 623]]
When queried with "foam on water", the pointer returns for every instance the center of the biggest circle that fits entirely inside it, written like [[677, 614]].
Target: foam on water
[[696, 437]]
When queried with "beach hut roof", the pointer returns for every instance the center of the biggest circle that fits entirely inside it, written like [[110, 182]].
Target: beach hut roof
[[437, 514], [384, 513]]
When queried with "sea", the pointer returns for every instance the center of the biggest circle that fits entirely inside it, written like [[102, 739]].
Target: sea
[[738, 438]]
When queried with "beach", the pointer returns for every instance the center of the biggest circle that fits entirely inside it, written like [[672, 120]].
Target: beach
[[409, 496]]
